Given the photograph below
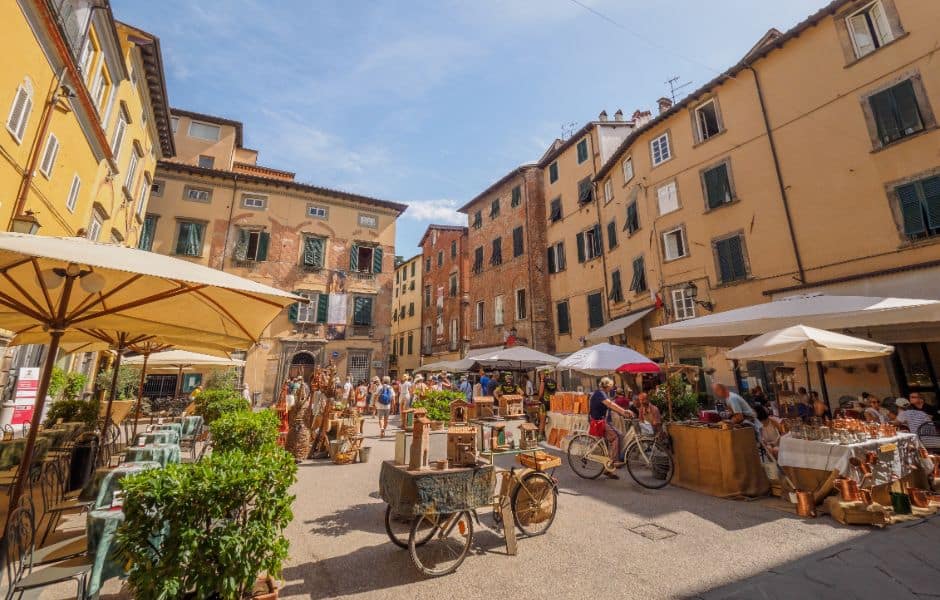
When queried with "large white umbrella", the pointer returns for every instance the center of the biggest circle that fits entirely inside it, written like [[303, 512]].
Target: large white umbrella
[[604, 359], [801, 343], [515, 357], [52, 286]]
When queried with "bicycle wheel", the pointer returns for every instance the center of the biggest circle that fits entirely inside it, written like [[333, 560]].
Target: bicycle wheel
[[534, 503], [587, 456], [649, 463], [448, 546], [398, 529]]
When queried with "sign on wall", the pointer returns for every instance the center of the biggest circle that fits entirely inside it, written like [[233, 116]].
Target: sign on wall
[[24, 401]]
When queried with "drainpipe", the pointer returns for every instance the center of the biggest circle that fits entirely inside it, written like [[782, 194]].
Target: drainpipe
[[780, 184], [228, 226], [597, 210], [528, 259]]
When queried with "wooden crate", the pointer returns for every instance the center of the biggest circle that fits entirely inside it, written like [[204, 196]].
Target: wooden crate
[[539, 461]]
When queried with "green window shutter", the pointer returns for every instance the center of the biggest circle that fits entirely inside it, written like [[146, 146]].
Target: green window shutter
[[911, 211], [313, 251], [362, 310], [293, 309], [323, 303], [264, 240], [354, 258], [633, 221], [738, 266], [717, 187], [518, 242], [595, 311], [598, 241], [616, 287], [561, 264], [241, 245], [552, 268], [638, 283], [907, 109], [579, 240], [725, 269], [612, 235], [931, 189], [564, 322], [882, 105], [377, 259], [516, 196]]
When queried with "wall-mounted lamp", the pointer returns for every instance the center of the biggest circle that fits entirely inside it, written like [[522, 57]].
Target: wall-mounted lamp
[[691, 290], [26, 223]]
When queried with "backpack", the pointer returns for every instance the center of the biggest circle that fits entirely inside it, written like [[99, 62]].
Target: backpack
[[385, 396]]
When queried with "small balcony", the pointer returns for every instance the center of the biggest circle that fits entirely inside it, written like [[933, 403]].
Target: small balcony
[[363, 331]]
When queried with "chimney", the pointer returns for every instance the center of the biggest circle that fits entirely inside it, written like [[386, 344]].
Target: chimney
[[664, 104], [602, 117], [641, 117], [618, 116]]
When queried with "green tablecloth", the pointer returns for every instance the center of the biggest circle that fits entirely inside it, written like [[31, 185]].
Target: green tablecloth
[[177, 427], [102, 525], [11, 451], [191, 425], [105, 481], [57, 437], [167, 436], [161, 453]]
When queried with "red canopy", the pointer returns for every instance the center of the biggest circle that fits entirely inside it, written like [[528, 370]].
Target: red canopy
[[639, 367]]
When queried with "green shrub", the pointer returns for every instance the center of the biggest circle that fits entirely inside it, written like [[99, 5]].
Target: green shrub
[[212, 404], [127, 385], [209, 528], [74, 385], [245, 430], [56, 383], [223, 379], [437, 403], [69, 410], [684, 399]]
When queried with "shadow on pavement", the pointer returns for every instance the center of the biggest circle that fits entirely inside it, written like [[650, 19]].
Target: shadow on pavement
[[359, 517]]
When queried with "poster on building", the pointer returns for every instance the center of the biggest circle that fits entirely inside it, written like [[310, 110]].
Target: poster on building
[[24, 401]]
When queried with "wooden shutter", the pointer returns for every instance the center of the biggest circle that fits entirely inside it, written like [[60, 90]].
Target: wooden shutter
[[931, 189], [564, 324], [552, 268], [632, 223], [579, 240], [598, 241], [731, 264], [638, 283], [517, 242], [907, 109], [858, 27], [560, 257], [595, 311], [882, 106], [264, 240], [911, 211], [323, 304], [612, 235], [354, 258], [377, 253], [313, 252], [717, 189], [293, 309], [362, 310], [616, 287], [516, 195], [241, 245]]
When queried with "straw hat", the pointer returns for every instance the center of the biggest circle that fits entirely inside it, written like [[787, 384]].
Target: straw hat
[[419, 377]]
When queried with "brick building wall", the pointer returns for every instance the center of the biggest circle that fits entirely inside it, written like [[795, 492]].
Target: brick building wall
[[444, 287]]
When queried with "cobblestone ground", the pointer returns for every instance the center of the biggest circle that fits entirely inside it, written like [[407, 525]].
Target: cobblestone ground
[[611, 539]]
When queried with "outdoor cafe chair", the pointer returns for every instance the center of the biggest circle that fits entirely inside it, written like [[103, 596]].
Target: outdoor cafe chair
[[7, 432], [55, 500], [19, 558], [929, 436]]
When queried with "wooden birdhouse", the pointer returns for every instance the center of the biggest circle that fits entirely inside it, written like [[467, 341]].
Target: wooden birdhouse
[[461, 446], [408, 418], [498, 437], [420, 445], [530, 436], [483, 407], [459, 412], [511, 405]]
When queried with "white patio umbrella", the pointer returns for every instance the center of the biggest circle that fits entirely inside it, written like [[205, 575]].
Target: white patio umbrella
[[515, 357], [52, 286], [604, 359]]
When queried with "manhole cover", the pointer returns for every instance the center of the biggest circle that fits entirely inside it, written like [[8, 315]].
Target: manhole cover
[[652, 531]]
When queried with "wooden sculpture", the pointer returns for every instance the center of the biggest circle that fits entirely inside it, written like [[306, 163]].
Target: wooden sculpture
[[420, 445]]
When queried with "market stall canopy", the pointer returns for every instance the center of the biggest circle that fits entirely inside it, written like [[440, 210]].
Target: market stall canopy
[[617, 326], [515, 357], [733, 327], [461, 365], [604, 359], [801, 343], [182, 358]]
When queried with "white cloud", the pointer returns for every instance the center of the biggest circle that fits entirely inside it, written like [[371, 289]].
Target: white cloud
[[442, 211]]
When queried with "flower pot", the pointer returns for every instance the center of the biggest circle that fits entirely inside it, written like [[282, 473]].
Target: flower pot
[[364, 454], [265, 589], [437, 425]]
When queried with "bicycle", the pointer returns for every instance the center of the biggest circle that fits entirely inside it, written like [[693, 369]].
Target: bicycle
[[647, 457]]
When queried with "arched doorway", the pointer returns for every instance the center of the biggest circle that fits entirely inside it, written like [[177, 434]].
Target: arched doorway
[[302, 363]]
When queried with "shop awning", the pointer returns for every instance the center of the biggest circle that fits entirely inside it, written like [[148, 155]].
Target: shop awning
[[617, 326], [845, 313], [800, 343]]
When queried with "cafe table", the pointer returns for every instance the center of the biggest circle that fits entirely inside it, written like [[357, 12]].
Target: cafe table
[[101, 487], [166, 436], [191, 425], [161, 453], [177, 427], [103, 524], [11, 451]]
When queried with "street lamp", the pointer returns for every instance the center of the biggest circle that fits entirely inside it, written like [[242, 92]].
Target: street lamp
[[26, 223], [691, 290]]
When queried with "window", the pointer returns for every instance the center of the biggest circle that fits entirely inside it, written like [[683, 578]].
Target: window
[[411, 345], [362, 310], [453, 332], [682, 304], [100, 87], [582, 151], [131, 171], [156, 188], [585, 191], [206, 162], [119, 130], [518, 242], [521, 308], [427, 265], [86, 57], [496, 257], [553, 172], [717, 186], [668, 198], [411, 309], [370, 221], [674, 245], [453, 249], [729, 256], [478, 219], [556, 258], [142, 194], [564, 319], [480, 315], [919, 205], [314, 253], [869, 29], [189, 235], [555, 210], [612, 235], [590, 244], [896, 112], [204, 131], [659, 150], [413, 273], [198, 194], [453, 285], [174, 123], [516, 196], [632, 224], [478, 260], [411, 286], [616, 287], [595, 310], [72, 199], [627, 167], [440, 258], [427, 296], [608, 191], [49, 155], [638, 283], [707, 123], [427, 339], [20, 110], [315, 211], [95, 226], [365, 259], [254, 201], [494, 209], [498, 310], [146, 234], [314, 311]]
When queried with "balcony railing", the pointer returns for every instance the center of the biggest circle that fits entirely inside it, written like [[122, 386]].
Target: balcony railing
[[362, 331]]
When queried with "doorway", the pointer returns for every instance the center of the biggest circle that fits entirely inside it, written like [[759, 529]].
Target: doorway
[[303, 364], [916, 367]]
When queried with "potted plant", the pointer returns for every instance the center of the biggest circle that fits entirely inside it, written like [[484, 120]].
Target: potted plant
[[437, 405]]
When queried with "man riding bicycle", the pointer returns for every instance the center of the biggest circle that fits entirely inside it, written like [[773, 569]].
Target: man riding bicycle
[[600, 407]]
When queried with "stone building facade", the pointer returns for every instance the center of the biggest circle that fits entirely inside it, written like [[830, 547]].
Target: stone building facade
[[407, 291], [444, 293]]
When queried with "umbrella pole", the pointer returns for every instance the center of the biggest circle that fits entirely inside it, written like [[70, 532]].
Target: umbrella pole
[[114, 384], [23, 473], [809, 382], [179, 385], [140, 391]]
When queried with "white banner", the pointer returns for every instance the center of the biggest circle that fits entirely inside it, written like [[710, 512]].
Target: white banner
[[336, 315]]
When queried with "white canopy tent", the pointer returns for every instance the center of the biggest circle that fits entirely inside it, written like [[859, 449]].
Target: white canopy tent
[[800, 343], [603, 359], [515, 357]]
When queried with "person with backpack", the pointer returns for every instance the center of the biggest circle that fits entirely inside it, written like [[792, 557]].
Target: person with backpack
[[383, 403]]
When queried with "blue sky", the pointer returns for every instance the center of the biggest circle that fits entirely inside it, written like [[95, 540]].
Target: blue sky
[[427, 102]]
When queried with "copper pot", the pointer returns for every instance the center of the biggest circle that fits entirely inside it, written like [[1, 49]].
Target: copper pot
[[805, 504], [848, 489], [865, 496], [919, 497], [923, 452], [871, 457]]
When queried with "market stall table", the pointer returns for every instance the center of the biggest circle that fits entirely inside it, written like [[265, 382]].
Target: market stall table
[[161, 453], [722, 462]]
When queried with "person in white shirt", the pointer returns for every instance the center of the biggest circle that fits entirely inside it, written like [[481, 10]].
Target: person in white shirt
[[347, 388], [529, 389], [909, 416], [405, 391]]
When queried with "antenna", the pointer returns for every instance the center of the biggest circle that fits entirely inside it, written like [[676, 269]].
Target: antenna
[[673, 88], [567, 130]]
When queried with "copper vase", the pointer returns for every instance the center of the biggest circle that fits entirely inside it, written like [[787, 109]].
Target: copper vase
[[919, 497], [848, 489], [871, 457], [923, 452], [865, 496], [805, 504]]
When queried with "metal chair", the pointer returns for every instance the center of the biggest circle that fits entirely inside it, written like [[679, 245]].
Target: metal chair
[[929, 436], [19, 540], [190, 441], [55, 502], [7, 432]]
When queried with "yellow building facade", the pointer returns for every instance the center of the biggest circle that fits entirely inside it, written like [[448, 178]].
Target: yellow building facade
[[406, 317]]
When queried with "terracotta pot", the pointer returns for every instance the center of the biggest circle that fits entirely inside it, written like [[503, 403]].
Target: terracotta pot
[[265, 589]]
